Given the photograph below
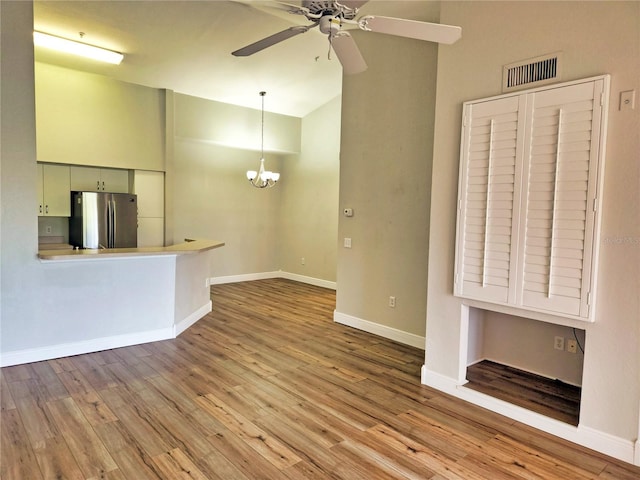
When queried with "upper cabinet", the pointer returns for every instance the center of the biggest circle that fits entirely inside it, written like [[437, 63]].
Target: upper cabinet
[[93, 179], [531, 172], [53, 190]]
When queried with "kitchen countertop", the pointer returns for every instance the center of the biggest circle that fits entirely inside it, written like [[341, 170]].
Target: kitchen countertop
[[188, 247]]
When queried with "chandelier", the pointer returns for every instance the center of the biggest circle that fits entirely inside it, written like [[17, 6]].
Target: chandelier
[[262, 178]]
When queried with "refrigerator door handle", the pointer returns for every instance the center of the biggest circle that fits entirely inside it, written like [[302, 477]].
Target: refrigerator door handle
[[111, 224], [108, 239], [114, 223]]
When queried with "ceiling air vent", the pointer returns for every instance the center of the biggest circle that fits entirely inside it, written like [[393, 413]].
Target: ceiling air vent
[[532, 72]]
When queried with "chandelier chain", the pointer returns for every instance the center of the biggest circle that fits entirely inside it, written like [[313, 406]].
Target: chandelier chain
[[262, 94]]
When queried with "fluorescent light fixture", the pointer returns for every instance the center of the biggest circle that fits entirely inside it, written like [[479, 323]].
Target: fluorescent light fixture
[[76, 48]]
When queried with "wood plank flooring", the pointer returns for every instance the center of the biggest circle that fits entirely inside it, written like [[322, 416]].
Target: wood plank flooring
[[552, 398], [268, 387]]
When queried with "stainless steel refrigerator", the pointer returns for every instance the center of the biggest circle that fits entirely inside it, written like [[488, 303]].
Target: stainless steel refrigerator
[[103, 220]]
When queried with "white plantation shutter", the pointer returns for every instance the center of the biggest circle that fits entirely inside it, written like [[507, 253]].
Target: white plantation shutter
[[491, 185], [530, 168], [562, 147]]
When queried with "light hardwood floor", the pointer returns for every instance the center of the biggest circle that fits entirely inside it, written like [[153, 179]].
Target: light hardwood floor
[[265, 387]]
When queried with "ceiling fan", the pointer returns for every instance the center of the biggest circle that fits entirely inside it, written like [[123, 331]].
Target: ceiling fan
[[334, 17]]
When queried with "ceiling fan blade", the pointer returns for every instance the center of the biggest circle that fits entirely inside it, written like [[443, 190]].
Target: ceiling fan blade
[[271, 40], [430, 32], [278, 9], [291, 8], [348, 53]]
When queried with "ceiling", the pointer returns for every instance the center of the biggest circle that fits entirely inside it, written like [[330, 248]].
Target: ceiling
[[186, 46]]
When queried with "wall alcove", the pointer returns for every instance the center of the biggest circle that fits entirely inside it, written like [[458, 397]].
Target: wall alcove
[[519, 360]]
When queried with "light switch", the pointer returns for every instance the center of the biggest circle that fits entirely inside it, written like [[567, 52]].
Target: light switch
[[627, 100], [347, 242]]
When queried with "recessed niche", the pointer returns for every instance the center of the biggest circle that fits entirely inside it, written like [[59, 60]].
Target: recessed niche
[[519, 360]]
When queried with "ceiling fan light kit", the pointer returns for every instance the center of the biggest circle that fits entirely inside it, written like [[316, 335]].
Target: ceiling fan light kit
[[262, 178], [332, 17]]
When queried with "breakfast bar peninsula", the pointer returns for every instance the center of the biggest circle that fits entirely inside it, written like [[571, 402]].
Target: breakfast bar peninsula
[[110, 298]]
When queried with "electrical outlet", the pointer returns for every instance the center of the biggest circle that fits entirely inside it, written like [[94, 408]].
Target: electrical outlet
[[47, 229], [572, 346], [558, 343], [302, 261], [392, 302]]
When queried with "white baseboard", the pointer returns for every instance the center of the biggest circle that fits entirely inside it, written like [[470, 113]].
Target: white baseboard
[[439, 381], [86, 346], [248, 277], [318, 282], [603, 442], [185, 323], [378, 329]]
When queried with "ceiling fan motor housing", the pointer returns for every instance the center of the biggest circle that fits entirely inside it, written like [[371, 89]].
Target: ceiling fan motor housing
[[321, 8]]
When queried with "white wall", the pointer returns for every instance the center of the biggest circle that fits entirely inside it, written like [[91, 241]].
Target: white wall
[[18, 233], [528, 345], [308, 220], [236, 127], [596, 38], [385, 176], [89, 119], [212, 197], [264, 230], [192, 293]]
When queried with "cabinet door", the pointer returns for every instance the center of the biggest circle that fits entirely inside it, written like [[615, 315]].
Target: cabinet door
[[56, 190], [40, 188], [560, 177], [489, 196], [114, 180], [94, 179], [85, 179], [149, 186]]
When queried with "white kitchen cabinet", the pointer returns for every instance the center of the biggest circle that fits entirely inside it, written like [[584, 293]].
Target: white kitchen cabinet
[[94, 179], [149, 187], [53, 190], [530, 176]]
